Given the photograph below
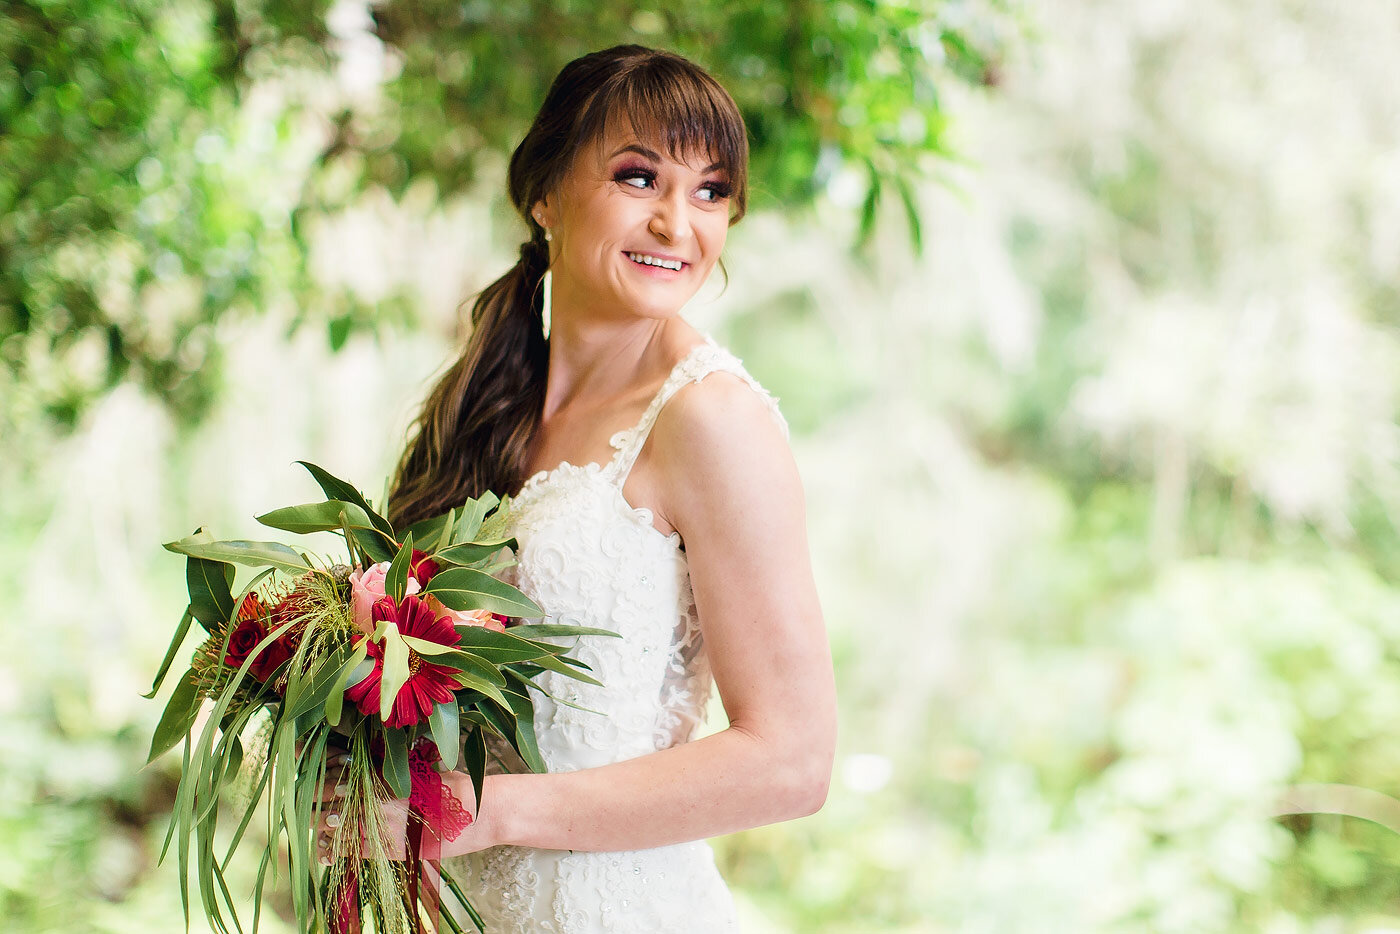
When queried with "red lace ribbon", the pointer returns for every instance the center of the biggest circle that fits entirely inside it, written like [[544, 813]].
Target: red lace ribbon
[[434, 815]]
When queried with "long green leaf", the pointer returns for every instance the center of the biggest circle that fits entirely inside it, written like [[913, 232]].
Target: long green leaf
[[536, 630], [472, 552], [443, 722], [179, 716], [567, 667], [395, 674], [317, 686], [470, 589], [444, 540], [498, 717], [396, 578], [482, 685], [316, 517], [396, 762], [253, 801], [466, 661], [473, 514], [253, 554], [496, 523], [475, 750], [209, 583], [182, 630], [525, 744], [425, 647], [432, 528], [344, 681], [501, 647], [335, 488]]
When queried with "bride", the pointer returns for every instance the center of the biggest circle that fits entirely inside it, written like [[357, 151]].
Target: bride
[[655, 495]]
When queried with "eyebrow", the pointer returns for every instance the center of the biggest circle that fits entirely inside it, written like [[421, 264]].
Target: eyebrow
[[655, 157]]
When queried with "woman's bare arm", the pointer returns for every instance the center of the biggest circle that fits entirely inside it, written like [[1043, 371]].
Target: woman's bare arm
[[732, 489]]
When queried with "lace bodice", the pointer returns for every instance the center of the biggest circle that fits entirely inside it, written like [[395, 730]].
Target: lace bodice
[[589, 558]]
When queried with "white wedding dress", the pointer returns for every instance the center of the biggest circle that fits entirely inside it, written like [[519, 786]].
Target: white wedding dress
[[588, 558]]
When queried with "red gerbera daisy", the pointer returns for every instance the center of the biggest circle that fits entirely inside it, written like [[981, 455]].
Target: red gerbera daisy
[[428, 684]]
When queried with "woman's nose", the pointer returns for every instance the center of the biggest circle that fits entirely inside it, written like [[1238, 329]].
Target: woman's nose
[[671, 219]]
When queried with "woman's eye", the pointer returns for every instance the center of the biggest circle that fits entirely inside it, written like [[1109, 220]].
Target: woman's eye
[[628, 177], [717, 190]]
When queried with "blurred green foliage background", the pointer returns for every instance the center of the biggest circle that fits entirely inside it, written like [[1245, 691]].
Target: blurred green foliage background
[[1086, 319]]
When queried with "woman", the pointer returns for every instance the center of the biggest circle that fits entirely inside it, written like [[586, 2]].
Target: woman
[[656, 496]]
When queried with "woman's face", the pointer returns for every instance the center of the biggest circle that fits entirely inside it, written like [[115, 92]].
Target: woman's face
[[624, 203]]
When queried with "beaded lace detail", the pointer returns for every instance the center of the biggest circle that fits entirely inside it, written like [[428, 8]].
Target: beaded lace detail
[[590, 558]]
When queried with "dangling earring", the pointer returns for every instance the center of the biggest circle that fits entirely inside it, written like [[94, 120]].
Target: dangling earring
[[546, 311]]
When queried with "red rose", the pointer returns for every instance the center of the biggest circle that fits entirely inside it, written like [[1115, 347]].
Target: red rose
[[253, 624], [243, 640]]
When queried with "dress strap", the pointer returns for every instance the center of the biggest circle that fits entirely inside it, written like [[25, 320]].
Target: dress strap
[[702, 360]]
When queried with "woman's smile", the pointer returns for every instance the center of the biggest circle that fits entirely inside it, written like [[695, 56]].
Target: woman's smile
[[657, 265]]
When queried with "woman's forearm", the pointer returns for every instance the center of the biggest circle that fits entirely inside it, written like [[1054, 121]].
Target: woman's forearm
[[725, 782]]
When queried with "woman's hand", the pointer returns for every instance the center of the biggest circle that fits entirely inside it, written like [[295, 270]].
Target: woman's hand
[[479, 834]]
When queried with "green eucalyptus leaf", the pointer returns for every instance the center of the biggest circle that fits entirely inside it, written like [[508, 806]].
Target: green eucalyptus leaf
[[473, 681], [567, 667], [345, 679], [443, 722], [473, 514], [179, 716], [523, 710], [501, 648], [396, 579], [209, 584], [396, 763], [475, 753], [535, 630], [445, 538], [254, 554], [432, 528], [495, 525], [315, 689], [395, 674], [176, 641], [470, 589], [472, 552], [316, 517], [424, 647], [475, 664], [335, 488]]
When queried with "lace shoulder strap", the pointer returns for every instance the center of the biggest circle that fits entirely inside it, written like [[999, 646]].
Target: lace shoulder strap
[[702, 360]]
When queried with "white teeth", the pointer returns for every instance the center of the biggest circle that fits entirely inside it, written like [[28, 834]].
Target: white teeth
[[647, 259]]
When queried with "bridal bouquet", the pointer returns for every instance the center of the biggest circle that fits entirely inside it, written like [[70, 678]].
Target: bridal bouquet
[[398, 661]]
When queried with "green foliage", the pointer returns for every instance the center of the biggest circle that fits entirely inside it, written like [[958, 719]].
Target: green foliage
[[126, 229], [140, 204]]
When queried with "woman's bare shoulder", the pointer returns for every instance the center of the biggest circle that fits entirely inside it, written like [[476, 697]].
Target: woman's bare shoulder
[[718, 440]]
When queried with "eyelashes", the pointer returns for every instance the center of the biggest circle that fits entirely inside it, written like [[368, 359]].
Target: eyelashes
[[721, 189]]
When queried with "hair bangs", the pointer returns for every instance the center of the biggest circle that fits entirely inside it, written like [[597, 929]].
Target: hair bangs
[[674, 108]]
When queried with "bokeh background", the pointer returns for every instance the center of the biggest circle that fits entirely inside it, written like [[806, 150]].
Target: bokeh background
[[1085, 315]]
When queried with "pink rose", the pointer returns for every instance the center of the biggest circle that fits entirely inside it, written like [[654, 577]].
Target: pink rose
[[367, 589], [483, 618]]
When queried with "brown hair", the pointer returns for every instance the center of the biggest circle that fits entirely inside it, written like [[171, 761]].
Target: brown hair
[[475, 427]]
